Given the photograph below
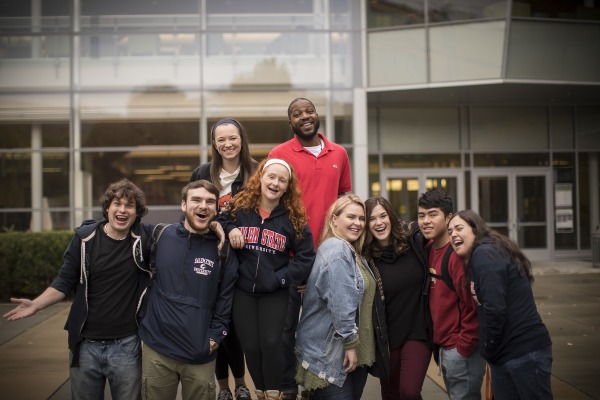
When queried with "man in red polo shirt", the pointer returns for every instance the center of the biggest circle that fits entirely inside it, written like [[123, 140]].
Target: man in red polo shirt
[[323, 171]]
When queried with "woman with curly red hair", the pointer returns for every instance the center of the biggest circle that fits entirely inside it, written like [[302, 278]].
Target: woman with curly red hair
[[266, 224]]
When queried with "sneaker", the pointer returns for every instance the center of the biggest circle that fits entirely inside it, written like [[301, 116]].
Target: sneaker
[[225, 394], [242, 393]]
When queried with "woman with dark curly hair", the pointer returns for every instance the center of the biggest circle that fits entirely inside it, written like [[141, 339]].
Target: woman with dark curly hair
[[396, 253], [513, 339], [266, 224]]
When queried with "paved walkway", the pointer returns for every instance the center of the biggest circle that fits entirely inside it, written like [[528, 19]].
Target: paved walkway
[[34, 357]]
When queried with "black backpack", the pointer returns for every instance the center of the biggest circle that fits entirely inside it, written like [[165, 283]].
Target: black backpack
[[156, 233], [445, 274]]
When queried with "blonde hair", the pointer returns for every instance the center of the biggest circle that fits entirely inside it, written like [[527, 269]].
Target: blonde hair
[[337, 208]]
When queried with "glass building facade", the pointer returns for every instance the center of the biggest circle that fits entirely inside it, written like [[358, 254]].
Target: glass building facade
[[498, 102]]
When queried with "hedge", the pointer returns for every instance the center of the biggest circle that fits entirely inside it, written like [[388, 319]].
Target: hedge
[[29, 261]]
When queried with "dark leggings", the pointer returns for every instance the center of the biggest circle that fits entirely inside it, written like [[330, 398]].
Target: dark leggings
[[259, 320], [230, 355], [408, 366]]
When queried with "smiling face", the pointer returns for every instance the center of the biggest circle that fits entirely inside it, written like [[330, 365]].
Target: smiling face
[[304, 121], [273, 184], [380, 225], [434, 225], [228, 142], [199, 207], [350, 223], [462, 236], [121, 216]]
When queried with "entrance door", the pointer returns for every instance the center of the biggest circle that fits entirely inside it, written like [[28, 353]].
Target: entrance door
[[518, 204], [403, 186]]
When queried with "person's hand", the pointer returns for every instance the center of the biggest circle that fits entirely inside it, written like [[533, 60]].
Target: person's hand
[[350, 360], [24, 309], [301, 289], [218, 230], [236, 238], [213, 346]]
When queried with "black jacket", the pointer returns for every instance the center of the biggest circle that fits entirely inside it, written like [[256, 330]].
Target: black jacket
[[273, 256], [203, 172], [75, 273]]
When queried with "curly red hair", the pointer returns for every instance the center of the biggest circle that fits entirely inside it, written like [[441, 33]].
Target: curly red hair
[[249, 198]]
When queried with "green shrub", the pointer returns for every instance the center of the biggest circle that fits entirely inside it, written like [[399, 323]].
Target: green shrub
[[29, 261]]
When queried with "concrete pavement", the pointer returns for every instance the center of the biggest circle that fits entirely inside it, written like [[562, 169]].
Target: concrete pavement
[[34, 356]]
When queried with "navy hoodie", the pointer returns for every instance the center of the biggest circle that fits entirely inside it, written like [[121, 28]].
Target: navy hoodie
[[188, 304], [273, 256]]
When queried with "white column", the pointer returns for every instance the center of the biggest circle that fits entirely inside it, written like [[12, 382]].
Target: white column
[[360, 159]]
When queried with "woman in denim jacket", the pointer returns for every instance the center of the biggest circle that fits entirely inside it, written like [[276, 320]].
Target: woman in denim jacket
[[337, 306]]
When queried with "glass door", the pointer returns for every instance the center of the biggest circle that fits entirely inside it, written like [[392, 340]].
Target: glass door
[[403, 186], [517, 203]]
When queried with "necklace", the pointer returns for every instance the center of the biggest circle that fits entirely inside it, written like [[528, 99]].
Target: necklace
[[105, 231]]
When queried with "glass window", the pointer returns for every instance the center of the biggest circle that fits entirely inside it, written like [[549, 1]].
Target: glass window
[[374, 184], [16, 16], [588, 128], [160, 174], [115, 15], [403, 49], [512, 160], [466, 51], [134, 133], [580, 10], [408, 129], [509, 128], [285, 59], [562, 127], [446, 10], [554, 51], [563, 165], [421, 161], [382, 14], [14, 136]]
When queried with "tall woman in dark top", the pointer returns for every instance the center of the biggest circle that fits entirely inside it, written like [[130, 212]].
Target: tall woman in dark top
[[229, 169], [395, 251], [513, 338]]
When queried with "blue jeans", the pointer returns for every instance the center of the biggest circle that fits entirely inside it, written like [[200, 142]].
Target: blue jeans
[[463, 376], [525, 377], [118, 360], [351, 390]]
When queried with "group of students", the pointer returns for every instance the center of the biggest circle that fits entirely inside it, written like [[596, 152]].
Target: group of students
[[377, 295]]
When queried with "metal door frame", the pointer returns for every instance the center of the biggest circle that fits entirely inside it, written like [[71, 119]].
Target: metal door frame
[[511, 174]]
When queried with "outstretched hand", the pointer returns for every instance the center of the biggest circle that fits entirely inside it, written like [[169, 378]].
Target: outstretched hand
[[24, 309]]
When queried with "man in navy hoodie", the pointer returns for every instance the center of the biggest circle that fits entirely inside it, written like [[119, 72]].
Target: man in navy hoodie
[[189, 305], [104, 266]]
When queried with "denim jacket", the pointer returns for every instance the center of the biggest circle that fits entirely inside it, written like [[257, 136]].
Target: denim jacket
[[328, 325]]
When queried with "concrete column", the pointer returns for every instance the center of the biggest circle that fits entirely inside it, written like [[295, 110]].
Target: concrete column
[[360, 159], [36, 178]]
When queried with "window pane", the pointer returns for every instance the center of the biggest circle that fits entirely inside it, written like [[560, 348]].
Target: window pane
[[493, 201], [100, 134], [554, 51], [15, 173], [564, 173], [512, 160], [466, 51], [562, 127], [421, 161], [410, 129], [404, 49], [557, 9], [509, 128], [588, 128], [381, 14], [444, 10]]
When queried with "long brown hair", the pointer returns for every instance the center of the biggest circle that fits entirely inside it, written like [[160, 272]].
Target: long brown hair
[[504, 245], [249, 198], [399, 235], [217, 160]]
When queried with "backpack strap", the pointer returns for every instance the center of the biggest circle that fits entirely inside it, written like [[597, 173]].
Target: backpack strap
[[445, 274], [156, 234]]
